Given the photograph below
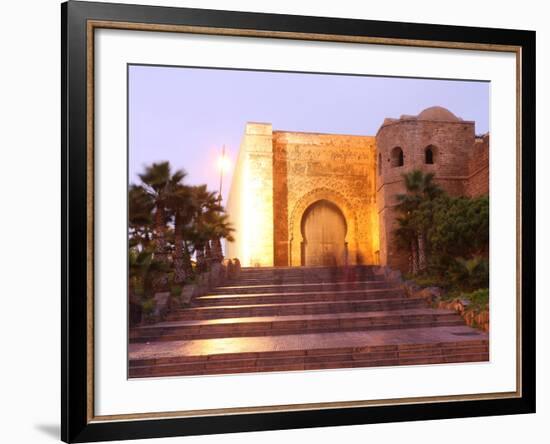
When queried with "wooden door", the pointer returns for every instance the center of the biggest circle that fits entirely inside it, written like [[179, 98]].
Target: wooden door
[[324, 231]]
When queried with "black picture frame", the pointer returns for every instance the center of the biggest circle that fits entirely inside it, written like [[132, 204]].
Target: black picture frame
[[77, 425]]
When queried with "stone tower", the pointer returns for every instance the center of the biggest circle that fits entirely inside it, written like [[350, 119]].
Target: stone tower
[[250, 203], [436, 141]]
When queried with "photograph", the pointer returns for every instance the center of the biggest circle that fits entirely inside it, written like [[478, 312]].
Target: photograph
[[284, 221], [301, 220]]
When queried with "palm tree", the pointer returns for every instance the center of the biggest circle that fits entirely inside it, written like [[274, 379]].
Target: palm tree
[[407, 240], [159, 183], [140, 207], [168, 217], [220, 228], [413, 223], [422, 185], [204, 203], [210, 225], [143, 269], [181, 205]]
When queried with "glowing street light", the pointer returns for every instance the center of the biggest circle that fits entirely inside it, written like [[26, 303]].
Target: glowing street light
[[223, 164]]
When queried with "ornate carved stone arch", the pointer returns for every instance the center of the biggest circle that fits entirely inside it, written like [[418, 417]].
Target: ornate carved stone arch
[[295, 233]]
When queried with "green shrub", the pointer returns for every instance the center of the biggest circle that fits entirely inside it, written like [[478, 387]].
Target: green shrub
[[469, 274], [428, 280], [175, 291], [450, 233], [455, 274], [192, 279], [148, 306], [458, 226], [479, 299]]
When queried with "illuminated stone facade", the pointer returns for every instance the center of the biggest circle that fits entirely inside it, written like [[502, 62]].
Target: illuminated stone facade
[[435, 141], [321, 199]]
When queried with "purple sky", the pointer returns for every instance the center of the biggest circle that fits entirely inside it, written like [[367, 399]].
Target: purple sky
[[185, 115]]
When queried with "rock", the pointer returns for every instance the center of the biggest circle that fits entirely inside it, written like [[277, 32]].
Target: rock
[[472, 318], [188, 293], [208, 279], [410, 288], [202, 280], [430, 294], [162, 304], [225, 269], [394, 275], [202, 284], [436, 291], [216, 274]]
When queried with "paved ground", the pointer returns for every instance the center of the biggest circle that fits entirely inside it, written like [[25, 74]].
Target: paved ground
[[203, 347], [306, 317]]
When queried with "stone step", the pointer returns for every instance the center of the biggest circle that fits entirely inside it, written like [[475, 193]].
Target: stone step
[[299, 296], [294, 324], [309, 269], [295, 287], [294, 308], [385, 350], [344, 357], [298, 280], [302, 318], [327, 274], [200, 369]]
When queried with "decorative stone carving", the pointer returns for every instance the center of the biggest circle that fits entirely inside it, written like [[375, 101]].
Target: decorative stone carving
[[279, 174]]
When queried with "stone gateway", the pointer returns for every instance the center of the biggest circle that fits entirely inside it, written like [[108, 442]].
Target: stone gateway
[[308, 199]]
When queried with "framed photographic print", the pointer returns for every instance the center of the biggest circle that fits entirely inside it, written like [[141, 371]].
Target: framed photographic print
[[275, 221]]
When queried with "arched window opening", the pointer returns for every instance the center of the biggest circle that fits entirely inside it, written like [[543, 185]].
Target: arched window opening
[[430, 154], [379, 164], [397, 157]]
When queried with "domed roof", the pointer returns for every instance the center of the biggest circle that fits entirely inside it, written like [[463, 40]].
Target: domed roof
[[438, 113]]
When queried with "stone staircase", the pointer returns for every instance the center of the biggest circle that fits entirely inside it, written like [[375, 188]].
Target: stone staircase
[[302, 318]]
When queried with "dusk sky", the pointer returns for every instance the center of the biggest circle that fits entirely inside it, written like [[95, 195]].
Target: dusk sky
[[185, 115]]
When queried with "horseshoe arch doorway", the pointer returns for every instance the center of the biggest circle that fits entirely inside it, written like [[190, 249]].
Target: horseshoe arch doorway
[[324, 231]]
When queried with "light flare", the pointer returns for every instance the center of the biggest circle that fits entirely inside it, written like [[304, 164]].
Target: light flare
[[224, 163]]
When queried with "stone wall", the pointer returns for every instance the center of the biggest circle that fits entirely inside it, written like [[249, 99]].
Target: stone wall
[[250, 202], [451, 141], [280, 174], [308, 167], [478, 180]]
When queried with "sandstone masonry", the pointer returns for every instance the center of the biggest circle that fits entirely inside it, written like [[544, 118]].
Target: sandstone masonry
[[282, 177]]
